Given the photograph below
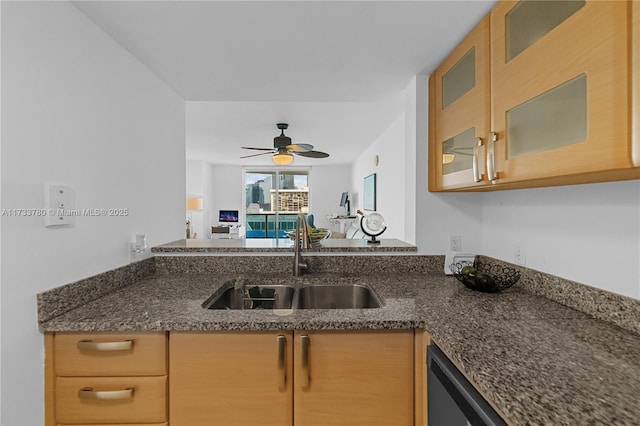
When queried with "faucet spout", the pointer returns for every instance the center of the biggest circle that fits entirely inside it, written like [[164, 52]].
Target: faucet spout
[[301, 241]]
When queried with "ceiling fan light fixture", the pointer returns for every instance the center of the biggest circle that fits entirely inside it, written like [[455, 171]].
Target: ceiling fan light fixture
[[448, 158], [282, 158]]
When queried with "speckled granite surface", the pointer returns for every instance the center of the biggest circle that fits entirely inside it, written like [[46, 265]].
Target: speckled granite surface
[[539, 362], [273, 245], [614, 308], [284, 264], [61, 299]]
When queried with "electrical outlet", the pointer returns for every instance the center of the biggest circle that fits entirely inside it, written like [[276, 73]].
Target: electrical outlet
[[455, 243], [519, 256]]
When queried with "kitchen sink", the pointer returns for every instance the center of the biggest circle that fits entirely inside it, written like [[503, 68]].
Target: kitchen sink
[[337, 296], [252, 297], [241, 294]]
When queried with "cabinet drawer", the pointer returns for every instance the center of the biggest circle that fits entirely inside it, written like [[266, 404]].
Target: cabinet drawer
[[103, 400], [110, 354], [120, 424]]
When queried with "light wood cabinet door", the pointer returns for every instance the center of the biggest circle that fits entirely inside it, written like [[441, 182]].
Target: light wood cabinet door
[[560, 83], [460, 107], [230, 378], [353, 378]]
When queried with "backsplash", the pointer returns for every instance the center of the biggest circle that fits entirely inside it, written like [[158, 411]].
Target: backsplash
[[283, 264]]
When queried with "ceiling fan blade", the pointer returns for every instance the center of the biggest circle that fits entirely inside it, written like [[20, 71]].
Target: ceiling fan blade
[[299, 147], [313, 154], [257, 149], [255, 155]]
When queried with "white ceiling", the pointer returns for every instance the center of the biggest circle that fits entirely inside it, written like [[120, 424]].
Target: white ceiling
[[334, 70]]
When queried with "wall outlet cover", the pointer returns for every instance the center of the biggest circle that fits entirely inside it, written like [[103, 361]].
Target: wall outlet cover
[[59, 202], [456, 256]]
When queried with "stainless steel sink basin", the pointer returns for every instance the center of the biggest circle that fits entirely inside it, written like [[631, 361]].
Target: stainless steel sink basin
[[253, 297], [337, 296]]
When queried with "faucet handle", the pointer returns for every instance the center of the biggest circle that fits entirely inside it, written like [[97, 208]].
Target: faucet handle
[[239, 283]]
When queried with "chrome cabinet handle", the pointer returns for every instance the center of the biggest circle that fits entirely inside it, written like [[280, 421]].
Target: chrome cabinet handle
[[304, 349], [477, 176], [90, 345], [282, 370], [89, 393], [491, 157]]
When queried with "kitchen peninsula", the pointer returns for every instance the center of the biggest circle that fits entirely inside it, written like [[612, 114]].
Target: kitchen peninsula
[[506, 344]]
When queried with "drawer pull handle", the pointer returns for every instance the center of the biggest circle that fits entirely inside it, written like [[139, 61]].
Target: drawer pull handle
[[89, 393], [304, 349], [90, 345], [282, 372]]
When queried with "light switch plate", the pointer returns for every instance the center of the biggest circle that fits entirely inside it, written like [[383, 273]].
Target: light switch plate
[[59, 201], [456, 256]]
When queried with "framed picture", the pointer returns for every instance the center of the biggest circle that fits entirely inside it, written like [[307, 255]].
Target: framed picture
[[370, 192]]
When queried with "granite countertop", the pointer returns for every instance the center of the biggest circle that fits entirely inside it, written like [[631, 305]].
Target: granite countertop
[[537, 361], [275, 245]]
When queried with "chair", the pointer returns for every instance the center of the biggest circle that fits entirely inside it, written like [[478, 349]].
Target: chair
[[310, 221]]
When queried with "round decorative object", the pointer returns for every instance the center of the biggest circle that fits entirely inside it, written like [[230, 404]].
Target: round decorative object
[[315, 235], [485, 278], [373, 226]]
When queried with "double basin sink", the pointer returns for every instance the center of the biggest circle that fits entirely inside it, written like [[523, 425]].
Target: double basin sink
[[242, 294]]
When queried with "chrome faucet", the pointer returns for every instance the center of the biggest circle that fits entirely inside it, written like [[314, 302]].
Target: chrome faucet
[[301, 234]]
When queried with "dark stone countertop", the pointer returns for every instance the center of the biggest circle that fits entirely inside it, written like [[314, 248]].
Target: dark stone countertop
[[539, 362]]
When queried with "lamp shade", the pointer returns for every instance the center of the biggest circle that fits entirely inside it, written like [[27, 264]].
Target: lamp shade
[[195, 203], [282, 158]]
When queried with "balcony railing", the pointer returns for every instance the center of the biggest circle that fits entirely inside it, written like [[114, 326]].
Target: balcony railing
[[263, 225]]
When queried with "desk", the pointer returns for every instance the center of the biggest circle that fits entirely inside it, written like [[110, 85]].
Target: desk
[[342, 222]]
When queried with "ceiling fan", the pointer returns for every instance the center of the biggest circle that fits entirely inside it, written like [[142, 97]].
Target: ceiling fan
[[283, 148]]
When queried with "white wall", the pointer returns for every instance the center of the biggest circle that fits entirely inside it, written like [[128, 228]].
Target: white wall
[[79, 110], [410, 162], [587, 233], [327, 185], [195, 187], [438, 215], [390, 178]]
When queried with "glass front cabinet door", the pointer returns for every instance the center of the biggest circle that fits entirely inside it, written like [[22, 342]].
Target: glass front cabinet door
[[540, 93], [459, 114], [560, 85]]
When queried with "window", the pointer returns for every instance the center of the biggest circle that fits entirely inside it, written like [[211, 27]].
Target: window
[[273, 199]]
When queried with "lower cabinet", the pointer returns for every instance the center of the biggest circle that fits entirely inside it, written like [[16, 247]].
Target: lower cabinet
[[234, 378], [300, 378], [106, 379], [245, 378]]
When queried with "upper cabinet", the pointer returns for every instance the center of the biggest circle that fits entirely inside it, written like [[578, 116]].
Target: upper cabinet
[[561, 102], [460, 108]]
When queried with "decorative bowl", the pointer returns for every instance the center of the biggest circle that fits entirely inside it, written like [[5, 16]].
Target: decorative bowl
[[315, 235], [485, 278]]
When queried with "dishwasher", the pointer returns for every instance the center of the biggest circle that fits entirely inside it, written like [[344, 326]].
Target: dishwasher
[[452, 400]]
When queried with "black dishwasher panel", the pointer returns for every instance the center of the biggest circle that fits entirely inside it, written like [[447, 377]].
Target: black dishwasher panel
[[452, 400]]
